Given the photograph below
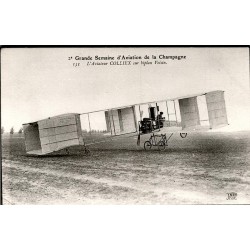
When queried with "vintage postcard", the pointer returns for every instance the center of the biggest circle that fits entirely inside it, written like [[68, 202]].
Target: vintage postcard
[[125, 125]]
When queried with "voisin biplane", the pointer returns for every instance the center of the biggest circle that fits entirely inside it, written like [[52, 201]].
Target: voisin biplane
[[157, 121]]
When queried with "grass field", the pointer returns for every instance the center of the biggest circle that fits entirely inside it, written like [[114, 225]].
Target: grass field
[[200, 169]]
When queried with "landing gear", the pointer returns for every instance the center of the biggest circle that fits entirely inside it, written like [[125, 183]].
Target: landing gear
[[86, 150], [183, 135], [159, 141]]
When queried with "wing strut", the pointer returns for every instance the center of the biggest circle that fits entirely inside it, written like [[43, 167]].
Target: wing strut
[[113, 120], [89, 125], [168, 113], [175, 113]]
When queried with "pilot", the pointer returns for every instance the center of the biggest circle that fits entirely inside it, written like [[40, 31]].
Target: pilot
[[160, 119]]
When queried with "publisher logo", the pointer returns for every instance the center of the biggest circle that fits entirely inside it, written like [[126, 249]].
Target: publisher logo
[[232, 196]]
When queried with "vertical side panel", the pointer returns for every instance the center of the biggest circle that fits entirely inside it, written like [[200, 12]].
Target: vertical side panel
[[135, 118], [120, 119], [107, 118], [79, 129], [128, 120], [189, 112], [216, 109], [31, 137]]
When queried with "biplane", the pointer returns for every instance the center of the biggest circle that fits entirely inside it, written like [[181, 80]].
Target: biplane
[[157, 119]]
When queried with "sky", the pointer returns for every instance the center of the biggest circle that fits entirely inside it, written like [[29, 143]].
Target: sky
[[37, 83]]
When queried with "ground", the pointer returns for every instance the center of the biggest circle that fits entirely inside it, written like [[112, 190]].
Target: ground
[[200, 169]]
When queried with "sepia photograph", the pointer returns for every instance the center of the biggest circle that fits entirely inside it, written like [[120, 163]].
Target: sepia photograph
[[125, 125]]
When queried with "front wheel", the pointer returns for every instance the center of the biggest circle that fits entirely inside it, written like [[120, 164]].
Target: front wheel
[[161, 145], [147, 145]]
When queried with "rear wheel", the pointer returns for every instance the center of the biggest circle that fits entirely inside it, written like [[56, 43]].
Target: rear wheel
[[147, 145], [161, 145]]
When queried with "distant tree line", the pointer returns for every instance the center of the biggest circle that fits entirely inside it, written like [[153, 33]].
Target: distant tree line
[[12, 130]]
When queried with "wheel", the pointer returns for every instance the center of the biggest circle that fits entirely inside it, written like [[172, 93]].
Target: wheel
[[147, 145], [183, 135], [87, 151], [161, 145]]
